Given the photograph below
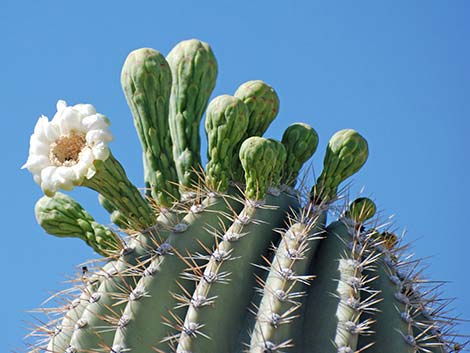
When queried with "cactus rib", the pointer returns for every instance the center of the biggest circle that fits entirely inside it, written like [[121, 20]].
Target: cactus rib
[[282, 291], [397, 324], [60, 338], [100, 315], [334, 304], [226, 286], [159, 282]]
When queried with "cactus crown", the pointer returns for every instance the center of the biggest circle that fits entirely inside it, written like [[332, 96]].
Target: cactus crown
[[231, 259]]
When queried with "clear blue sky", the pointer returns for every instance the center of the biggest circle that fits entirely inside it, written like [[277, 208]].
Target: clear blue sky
[[397, 71]]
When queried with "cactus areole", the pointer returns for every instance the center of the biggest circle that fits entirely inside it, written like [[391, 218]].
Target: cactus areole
[[234, 256]]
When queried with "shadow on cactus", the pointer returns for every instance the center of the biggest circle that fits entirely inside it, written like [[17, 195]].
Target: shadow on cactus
[[233, 257]]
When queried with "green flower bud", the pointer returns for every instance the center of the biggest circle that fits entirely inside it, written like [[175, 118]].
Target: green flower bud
[[301, 141], [279, 163], [263, 105], [346, 153], [226, 123], [361, 209], [146, 82], [258, 158], [194, 70], [62, 216]]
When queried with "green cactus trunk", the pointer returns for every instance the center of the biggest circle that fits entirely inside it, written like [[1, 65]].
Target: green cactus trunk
[[235, 257]]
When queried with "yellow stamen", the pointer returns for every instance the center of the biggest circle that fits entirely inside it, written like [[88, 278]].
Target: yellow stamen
[[66, 150]]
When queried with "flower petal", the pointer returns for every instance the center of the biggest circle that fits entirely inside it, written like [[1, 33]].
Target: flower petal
[[94, 137], [61, 105], [49, 181], [52, 132], [81, 170], [39, 147], [65, 177], [86, 156], [69, 121], [36, 163], [101, 151], [85, 109], [95, 122], [40, 129], [90, 173]]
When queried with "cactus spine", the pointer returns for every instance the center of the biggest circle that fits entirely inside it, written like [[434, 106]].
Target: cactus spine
[[233, 258]]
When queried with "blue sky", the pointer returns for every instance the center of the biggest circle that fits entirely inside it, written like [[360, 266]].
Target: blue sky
[[396, 71]]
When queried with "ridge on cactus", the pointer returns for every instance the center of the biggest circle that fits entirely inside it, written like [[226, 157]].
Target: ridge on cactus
[[234, 257]]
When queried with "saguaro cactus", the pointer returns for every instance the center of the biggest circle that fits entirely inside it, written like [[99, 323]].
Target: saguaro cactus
[[232, 258]]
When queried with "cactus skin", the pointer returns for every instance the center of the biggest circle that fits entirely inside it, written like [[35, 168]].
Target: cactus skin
[[235, 277], [391, 332], [335, 302], [60, 339], [112, 290], [185, 277], [194, 71], [401, 307], [146, 82]]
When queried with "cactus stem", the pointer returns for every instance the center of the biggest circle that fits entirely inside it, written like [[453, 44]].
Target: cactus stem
[[162, 284], [220, 278]]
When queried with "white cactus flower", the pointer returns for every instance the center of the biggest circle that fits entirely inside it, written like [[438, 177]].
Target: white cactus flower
[[62, 151]]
